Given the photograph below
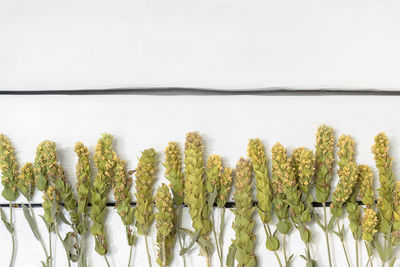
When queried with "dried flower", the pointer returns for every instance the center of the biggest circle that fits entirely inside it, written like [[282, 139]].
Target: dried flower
[[279, 179], [348, 174], [370, 221], [173, 171], [256, 152], [395, 240], [244, 223], [304, 167], [45, 165], [324, 162], [366, 191], [9, 169], [105, 159], [121, 185], [51, 198], [225, 187], [26, 181], [145, 178], [369, 225], [83, 185], [165, 219], [195, 190], [386, 178], [213, 173]]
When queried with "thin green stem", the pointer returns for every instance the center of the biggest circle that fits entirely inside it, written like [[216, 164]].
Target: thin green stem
[[269, 234], [164, 257], [216, 239], [147, 250], [356, 244], [327, 236], [130, 256], [12, 237], [369, 256], [62, 242], [345, 252], [38, 233], [105, 258], [50, 250], [221, 229], [284, 250], [208, 260], [179, 234]]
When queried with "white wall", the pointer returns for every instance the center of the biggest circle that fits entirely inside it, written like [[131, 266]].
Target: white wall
[[204, 43], [47, 45]]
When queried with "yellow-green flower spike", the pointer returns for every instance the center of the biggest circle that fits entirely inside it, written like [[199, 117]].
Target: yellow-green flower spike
[[145, 178], [324, 161], [173, 170], [386, 178], [225, 187], [348, 174], [243, 223], [280, 165], [84, 183], [396, 215], [165, 219], [369, 225], [213, 173], [195, 190], [45, 165], [304, 167], [366, 180], [26, 181], [121, 185], [49, 196], [105, 159], [256, 152], [9, 169]]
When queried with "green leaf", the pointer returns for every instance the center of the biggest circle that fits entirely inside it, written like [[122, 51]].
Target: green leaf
[[272, 243], [391, 264], [211, 198], [8, 225], [194, 237], [230, 258], [31, 221], [331, 223], [61, 217]]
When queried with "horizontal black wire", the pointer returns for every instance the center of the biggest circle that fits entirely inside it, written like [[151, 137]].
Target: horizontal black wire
[[228, 205], [171, 91]]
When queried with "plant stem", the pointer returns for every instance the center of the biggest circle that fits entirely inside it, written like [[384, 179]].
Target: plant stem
[[179, 234], [130, 256], [147, 250], [50, 250], [356, 244], [269, 234], [345, 252], [38, 233], [164, 258], [221, 229], [12, 237], [284, 250], [62, 242], [216, 240], [208, 260], [105, 258], [327, 236]]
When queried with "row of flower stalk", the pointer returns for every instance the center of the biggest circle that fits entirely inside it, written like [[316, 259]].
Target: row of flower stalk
[[289, 191]]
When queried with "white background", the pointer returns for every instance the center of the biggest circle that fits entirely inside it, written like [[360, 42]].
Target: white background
[[202, 43], [47, 45]]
